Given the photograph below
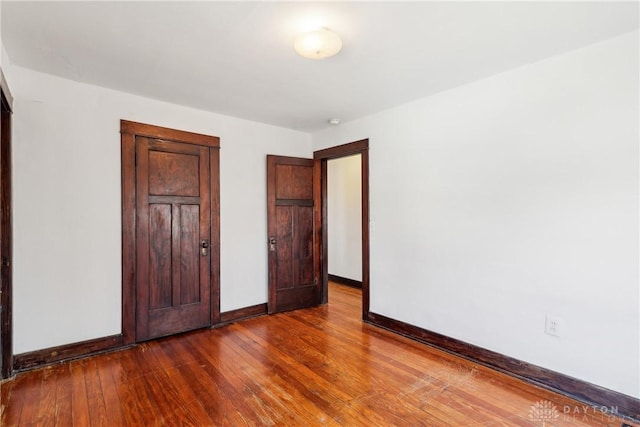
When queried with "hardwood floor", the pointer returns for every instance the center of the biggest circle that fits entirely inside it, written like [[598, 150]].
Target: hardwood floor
[[319, 366]]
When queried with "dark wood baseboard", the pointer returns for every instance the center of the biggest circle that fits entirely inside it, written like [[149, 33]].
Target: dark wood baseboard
[[242, 314], [344, 281], [63, 353], [591, 394]]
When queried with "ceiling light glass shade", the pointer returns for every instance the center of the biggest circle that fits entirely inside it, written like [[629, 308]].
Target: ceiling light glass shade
[[318, 44]]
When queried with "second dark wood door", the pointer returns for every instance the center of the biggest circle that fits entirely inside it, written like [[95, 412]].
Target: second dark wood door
[[173, 223], [294, 256]]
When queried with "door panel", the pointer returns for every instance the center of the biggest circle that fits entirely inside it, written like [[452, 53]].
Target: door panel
[[173, 219], [294, 261], [163, 179], [284, 246], [294, 182], [305, 244], [159, 264], [189, 248]]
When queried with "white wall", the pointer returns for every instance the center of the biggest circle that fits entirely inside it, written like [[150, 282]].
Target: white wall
[[344, 212], [5, 63], [510, 198], [67, 245], [4, 59]]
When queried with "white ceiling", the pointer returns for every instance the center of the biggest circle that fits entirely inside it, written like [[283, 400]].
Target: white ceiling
[[237, 58]]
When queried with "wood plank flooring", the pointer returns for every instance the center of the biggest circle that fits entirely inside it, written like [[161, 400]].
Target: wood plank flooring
[[319, 366]]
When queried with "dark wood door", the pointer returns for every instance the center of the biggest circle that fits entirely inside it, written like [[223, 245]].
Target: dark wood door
[[173, 213], [293, 244]]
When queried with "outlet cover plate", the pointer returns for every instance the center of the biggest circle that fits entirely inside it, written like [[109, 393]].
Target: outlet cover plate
[[553, 325]]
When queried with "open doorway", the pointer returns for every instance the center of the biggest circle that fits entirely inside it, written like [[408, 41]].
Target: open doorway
[[344, 218], [355, 150]]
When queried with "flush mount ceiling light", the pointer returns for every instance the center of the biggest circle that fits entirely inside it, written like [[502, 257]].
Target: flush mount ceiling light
[[318, 44]]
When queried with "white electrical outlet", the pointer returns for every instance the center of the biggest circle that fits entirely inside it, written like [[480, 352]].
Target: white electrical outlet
[[553, 325]]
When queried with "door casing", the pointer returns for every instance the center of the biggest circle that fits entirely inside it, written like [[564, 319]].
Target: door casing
[[322, 157], [129, 131], [6, 234]]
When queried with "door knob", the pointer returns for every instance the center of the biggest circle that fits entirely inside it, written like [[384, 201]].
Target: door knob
[[204, 248]]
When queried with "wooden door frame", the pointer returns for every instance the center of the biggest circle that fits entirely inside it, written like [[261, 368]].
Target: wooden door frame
[[321, 158], [6, 240], [129, 131]]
